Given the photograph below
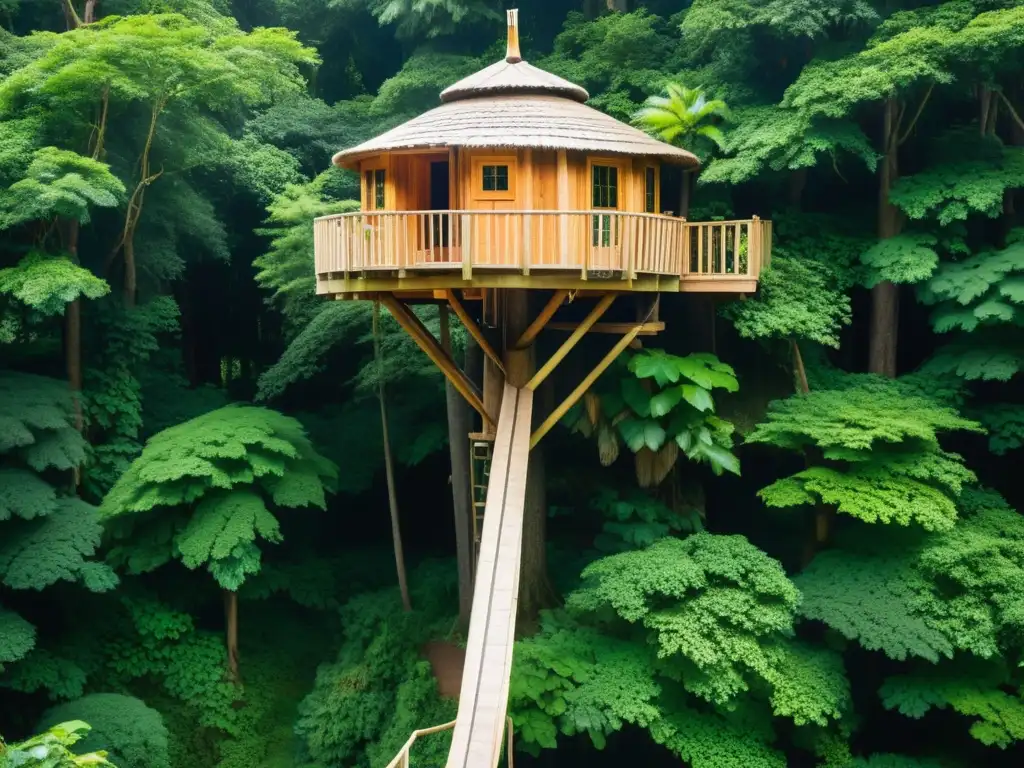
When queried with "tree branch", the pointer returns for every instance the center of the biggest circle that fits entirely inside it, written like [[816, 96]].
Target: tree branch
[[1013, 112], [917, 116]]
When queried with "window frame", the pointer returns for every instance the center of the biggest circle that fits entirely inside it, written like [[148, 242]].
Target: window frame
[[655, 172], [477, 177], [369, 186], [603, 233]]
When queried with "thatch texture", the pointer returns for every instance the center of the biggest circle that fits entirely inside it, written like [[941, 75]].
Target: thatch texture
[[518, 121], [504, 77]]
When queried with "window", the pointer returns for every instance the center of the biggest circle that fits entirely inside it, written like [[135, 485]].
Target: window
[[605, 194], [495, 178], [605, 181], [375, 186], [649, 190]]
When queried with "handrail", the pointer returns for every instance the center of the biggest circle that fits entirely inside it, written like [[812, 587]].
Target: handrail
[[594, 243], [402, 758]]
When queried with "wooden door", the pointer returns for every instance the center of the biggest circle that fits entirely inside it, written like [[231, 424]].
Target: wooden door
[[606, 195]]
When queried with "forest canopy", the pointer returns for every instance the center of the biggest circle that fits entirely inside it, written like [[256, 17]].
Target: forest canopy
[[784, 532]]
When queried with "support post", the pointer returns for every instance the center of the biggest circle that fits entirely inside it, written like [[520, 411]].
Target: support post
[[572, 341], [423, 338], [584, 385]]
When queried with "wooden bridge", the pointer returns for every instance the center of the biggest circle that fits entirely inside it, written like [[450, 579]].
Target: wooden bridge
[[398, 251]]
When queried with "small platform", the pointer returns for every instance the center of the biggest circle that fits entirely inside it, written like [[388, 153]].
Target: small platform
[[410, 252]]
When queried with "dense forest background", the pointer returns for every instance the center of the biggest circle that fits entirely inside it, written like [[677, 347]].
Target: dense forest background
[[824, 566]]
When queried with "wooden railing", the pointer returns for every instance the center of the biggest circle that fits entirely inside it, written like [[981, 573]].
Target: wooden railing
[[402, 758], [588, 241]]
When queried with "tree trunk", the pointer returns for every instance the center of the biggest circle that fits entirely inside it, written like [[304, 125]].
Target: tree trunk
[[535, 589], [130, 277], [231, 634], [459, 427], [797, 184], [684, 195], [885, 297], [90, 11], [389, 469]]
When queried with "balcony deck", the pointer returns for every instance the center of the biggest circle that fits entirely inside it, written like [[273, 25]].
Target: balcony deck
[[417, 251]]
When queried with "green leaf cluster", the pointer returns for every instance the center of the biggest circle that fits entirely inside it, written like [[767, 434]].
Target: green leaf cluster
[[131, 734], [52, 749], [873, 451], [216, 475]]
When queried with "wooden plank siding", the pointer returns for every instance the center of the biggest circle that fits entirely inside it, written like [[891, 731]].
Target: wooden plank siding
[[543, 224]]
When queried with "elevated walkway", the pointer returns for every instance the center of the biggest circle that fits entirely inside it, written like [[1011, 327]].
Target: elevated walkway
[[483, 700]]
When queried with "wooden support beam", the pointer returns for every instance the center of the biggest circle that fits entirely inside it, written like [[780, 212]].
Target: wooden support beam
[[584, 385], [646, 329], [595, 315], [546, 314], [474, 329], [426, 341]]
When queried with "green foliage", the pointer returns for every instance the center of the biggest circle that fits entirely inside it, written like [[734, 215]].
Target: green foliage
[[968, 175], [711, 604], [59, 183], [51, 749], [970, 689], [46, 535], [130, 733], [216, 473], [875, 453], [635, 520], [48, 283], [769, 138], [659, 404], [906, 258], [929, 595], [285, 268], [683, 116], [17, 637], [805, 292], [362, 704], [982, 290], [572, 679], [128, 338]]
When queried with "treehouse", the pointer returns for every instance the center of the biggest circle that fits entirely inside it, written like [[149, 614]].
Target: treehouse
[[514, 182], [513, 189]]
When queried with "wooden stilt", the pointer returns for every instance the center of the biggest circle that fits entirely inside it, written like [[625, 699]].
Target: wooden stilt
[[572, 341], [584, 385], [425, 340], [474, 329]]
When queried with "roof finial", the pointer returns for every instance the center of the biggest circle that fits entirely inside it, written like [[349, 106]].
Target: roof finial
[[512, 55]]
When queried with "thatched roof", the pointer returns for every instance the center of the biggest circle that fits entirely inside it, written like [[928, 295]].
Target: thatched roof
[[513, 104], [505, 77], [518, 121]]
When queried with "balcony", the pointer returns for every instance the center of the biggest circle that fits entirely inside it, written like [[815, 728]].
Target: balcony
[[420, 251]]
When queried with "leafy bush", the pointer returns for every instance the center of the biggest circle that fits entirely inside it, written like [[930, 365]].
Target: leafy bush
[[132, 734]]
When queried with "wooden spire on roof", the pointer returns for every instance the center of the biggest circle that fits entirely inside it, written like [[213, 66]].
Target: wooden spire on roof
[[512, 54]]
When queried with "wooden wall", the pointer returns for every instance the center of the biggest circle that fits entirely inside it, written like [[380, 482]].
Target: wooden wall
[[539, 180]]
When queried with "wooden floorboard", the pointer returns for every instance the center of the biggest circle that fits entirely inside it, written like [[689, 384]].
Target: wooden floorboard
[[483, 700]]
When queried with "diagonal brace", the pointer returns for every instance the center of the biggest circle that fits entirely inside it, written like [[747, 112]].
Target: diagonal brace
[[538, 325], [572, 341], [584, 385], [426, 341], [474, 330]]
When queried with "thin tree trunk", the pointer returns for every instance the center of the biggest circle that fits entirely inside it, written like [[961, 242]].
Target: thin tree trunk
[[389, 469], [90, 11], [459, 427], [885, 297], [231, 633], [684, 195], [797, 184]]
